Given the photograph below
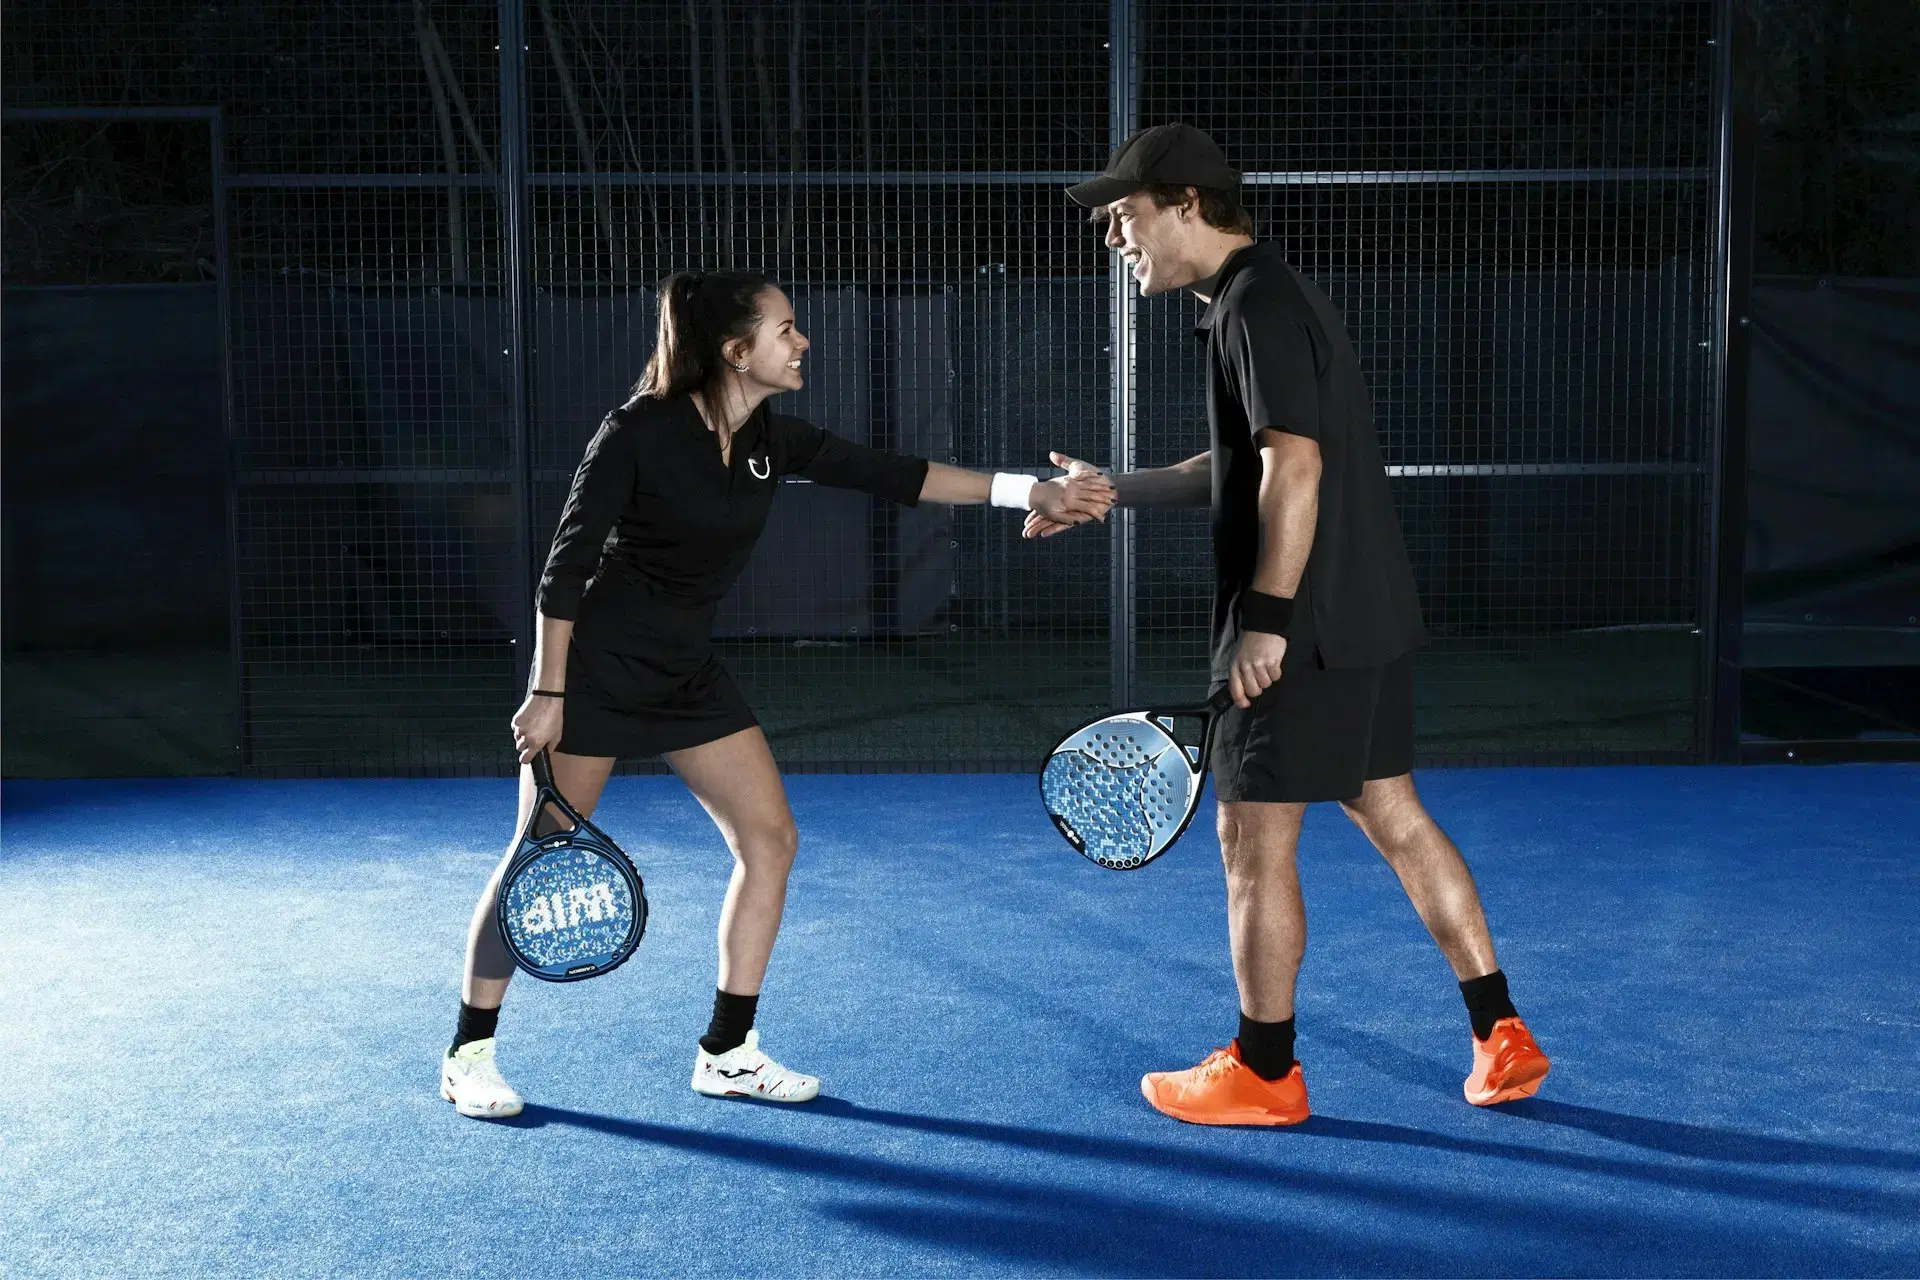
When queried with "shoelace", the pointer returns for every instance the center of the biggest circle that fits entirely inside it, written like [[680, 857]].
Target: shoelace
[[485, 1071], [1217, 1063]]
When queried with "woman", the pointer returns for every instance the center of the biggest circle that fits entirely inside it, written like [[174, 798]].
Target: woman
[[683, 475]]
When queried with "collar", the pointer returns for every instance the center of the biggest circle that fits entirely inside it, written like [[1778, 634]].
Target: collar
[[1236, 261], [756, 423]]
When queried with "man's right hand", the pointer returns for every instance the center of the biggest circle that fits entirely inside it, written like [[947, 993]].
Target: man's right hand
[[1039, 526]]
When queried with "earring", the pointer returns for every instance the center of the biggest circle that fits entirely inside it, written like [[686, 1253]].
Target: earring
[[740, 368]]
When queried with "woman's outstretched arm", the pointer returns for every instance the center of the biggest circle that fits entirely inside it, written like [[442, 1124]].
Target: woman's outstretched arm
[[825, 458], [1066, 501]]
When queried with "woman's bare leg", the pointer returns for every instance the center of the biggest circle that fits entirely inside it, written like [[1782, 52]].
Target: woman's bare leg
[[739, 785]]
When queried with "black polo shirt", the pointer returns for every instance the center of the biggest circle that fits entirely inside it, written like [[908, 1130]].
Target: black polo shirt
[[1278, 357]]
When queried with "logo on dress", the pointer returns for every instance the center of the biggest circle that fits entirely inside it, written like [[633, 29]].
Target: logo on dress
[[762, 468]]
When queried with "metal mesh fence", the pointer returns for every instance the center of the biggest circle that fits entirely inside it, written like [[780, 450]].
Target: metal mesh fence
[[1509, 204], [895, 168], [442, 256]]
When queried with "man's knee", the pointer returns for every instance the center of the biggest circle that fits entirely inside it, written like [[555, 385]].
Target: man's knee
[[1389, 812], [1257, 836]]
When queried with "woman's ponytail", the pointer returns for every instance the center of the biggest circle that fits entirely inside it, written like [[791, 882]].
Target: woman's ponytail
[[699, 313]]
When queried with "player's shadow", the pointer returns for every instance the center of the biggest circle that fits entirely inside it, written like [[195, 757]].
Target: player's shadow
[[1671, 1137], [1032, 1212], [1894, 1203], [1035, 1219]]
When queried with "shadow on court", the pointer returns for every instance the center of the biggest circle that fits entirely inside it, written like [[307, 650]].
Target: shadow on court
[[1669, 1137], [1700, 1142], [1050, 1219], [1694, 1141], [1899, 1205]]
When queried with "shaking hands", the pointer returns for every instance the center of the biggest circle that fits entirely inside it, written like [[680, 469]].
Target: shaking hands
[[1057, 505], [1081, 495]]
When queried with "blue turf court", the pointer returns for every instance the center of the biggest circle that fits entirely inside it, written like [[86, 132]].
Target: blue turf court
[[224, 1003]]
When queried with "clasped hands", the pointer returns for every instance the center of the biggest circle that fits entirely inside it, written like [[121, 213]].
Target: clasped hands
[[1081, 495]]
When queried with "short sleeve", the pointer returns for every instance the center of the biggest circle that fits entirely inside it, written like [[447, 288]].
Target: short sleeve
[[800, 448], [1273, 360], [603, 484]]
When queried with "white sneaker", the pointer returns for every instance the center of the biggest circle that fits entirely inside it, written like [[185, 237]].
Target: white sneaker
[[470, 1079], [745, 1072]]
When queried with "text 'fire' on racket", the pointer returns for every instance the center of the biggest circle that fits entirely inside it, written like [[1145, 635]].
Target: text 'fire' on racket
[[572, 905]]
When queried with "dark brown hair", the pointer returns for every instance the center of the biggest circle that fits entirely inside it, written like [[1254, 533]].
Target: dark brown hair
[[1219, 208], [700, 312]]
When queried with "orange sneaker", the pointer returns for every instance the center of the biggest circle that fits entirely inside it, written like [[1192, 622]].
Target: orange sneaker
[[1506, 1065], [1224, 1090]]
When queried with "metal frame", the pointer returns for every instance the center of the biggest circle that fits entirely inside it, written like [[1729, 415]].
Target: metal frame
[[1122, 638], [973, 178], [1723, 573], [214, 119], [1723, 471], [517, 269]]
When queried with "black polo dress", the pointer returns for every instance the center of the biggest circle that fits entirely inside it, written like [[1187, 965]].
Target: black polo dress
[[656, 530], [1278, 358]]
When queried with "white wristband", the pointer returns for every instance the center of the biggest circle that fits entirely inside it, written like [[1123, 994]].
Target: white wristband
[[1010, 490]]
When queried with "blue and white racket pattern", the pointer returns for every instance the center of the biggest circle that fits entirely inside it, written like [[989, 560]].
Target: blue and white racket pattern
[[1121, 790], [571, 905], [570, 910]]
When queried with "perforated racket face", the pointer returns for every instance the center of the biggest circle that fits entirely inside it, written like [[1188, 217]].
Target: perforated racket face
[[1121, 790], [573, 909]]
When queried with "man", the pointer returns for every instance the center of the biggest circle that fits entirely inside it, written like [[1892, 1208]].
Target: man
[[1315, 620]]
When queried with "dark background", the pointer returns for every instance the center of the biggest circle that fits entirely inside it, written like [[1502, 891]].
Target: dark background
[[337, 588]]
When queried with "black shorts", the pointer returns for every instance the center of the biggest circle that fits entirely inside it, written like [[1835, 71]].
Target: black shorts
[[1317, 734]]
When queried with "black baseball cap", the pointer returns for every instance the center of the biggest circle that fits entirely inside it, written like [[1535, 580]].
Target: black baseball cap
[[1172, 153]]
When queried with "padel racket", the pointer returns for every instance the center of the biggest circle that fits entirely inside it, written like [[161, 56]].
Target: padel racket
[[571, 904], [1124, 788]]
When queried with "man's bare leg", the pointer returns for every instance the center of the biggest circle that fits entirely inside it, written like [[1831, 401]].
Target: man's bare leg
[[1267, 926], [1431, 870], [1266, 918], [1507, 1064]]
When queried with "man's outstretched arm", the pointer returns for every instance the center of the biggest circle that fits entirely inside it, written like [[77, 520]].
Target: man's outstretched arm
[[1184, 484]]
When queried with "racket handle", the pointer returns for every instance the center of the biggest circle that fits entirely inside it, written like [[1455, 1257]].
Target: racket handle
[[543, 771]]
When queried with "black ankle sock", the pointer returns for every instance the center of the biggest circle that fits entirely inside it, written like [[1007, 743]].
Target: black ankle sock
[[475, 1024], [1266, 1047], [1487, 1002], [732, 1019]]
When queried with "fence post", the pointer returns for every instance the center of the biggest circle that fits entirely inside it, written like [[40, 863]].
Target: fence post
[[223, 283], [1122, 644], [517, 287], [1723, 580]]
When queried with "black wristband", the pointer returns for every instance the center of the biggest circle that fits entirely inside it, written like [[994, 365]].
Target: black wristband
[[545, 693], [1262, 612]]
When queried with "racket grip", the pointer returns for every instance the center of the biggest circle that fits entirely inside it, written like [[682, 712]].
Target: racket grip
[[543, 770]]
